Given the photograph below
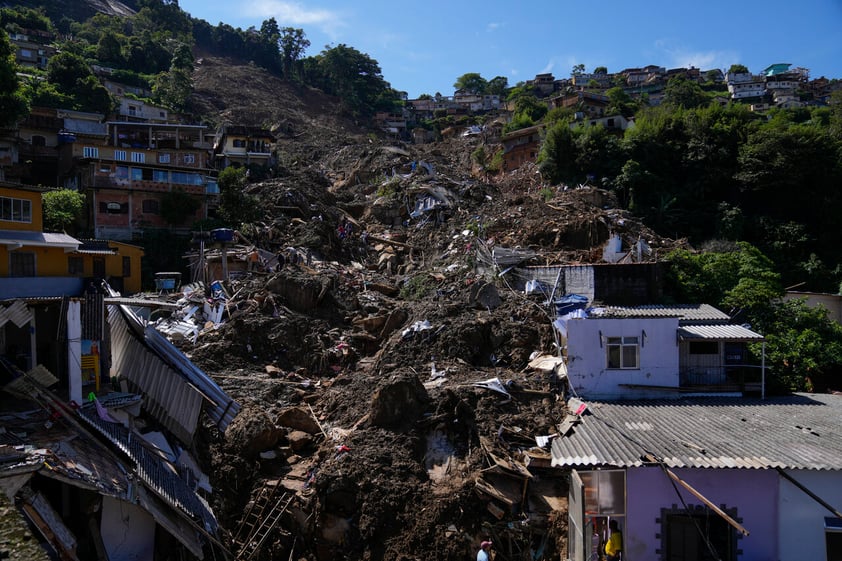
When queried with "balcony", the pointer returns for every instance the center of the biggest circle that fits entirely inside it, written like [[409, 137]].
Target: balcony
[[732, 378], [40, 287]]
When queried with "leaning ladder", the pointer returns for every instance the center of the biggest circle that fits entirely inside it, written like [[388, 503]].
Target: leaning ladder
[[260, 520]]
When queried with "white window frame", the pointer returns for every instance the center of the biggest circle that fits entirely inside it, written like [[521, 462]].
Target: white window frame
[[120, 155], [139, 157], [164, 158], [90, 152], [19, 210], [189, 158], [622, 344]]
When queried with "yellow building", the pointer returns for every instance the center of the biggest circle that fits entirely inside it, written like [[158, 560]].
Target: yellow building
[[116, 262], [32, 262]]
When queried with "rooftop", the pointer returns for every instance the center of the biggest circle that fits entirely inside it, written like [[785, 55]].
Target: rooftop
[[801, 431]]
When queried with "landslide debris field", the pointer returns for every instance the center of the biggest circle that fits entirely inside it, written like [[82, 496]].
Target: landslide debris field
[[389, 407]]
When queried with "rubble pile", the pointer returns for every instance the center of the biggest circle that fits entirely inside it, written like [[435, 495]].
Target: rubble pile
[[382, 348]]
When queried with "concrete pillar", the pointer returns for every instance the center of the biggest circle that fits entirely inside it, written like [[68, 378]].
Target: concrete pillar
[[74, 350]]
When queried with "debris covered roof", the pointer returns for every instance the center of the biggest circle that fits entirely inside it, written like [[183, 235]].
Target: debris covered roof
[[801, 431]]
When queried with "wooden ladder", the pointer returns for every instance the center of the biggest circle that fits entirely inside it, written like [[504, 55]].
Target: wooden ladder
[[261, 519]]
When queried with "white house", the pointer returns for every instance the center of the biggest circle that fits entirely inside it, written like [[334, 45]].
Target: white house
[[658, 352]]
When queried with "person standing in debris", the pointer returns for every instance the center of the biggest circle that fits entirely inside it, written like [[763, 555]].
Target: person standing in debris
[[281, 261], [254, 259], [484, 553], [614, 545]]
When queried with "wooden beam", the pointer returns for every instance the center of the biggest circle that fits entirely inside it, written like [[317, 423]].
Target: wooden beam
[[698, 495]]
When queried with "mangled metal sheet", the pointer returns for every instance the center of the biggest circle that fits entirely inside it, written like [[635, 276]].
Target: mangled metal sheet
[[17, 312], [169, 397], [154, 471]]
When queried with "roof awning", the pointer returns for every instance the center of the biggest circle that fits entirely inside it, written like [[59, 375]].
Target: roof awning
[[725, 332], [14, 239]]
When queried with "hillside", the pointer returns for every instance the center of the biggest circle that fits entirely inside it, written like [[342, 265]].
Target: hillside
[[372, 422]]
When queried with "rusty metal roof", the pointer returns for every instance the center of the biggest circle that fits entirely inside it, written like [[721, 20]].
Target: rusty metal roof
[[802, 431]]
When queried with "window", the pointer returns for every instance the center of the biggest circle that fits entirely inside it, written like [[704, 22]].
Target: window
[[704, 347], [159, 175], [833, 538], [623, 352], [15, 210], [190, 158], [21, 264], [163, 158], [38, 140], [698, 534], [127, 266], [140, 174], [90, 152], [121, 172], [138, 157], [99, 267], [239, 143], [113, 208], [75, 265], [120, 155], [150, 206]]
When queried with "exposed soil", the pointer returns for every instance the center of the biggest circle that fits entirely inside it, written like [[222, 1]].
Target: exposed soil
[[358, 371]]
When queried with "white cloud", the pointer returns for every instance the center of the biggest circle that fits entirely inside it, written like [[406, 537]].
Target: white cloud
[[679, 56], [292, 13], [548, 67], [493, 26]]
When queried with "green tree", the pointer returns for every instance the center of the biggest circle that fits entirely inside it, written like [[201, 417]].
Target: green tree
[[740, 279], [109, 50], [497, 86], [578, 70], [177, 206], [620, 102], [349, 74], [471, 82], [600, 70], [13, 105], [173, 88], [738, 69], [236, 207], [803, 347], [293, 44], [681, 92], [557, 159], [62, 210]]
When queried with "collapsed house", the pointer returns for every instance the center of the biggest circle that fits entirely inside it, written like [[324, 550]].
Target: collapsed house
[[100, 458]]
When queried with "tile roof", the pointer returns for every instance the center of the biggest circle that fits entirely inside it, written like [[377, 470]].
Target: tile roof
[[802, 431]]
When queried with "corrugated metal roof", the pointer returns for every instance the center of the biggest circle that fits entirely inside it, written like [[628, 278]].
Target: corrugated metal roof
[[168, 360], [17, 312], [719, 333], [685, 313], [171, 399], [152, 469], [22, 237], [802, 431]]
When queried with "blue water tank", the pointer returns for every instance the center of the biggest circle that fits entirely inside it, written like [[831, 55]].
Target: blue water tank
[[222, 235]]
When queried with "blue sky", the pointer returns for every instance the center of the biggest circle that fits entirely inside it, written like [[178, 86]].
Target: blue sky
[[424, 47]]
